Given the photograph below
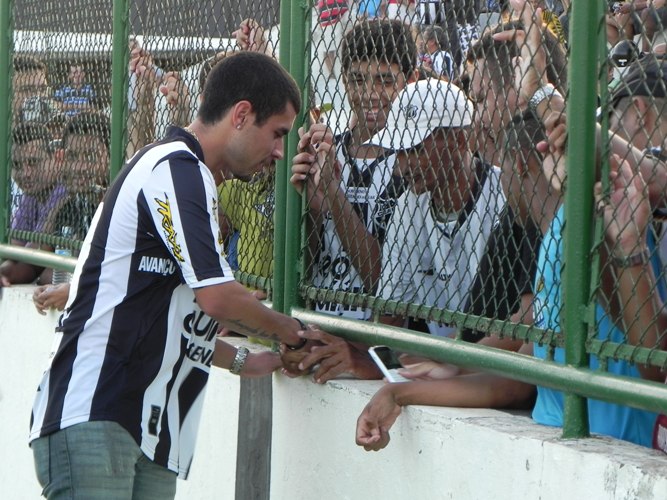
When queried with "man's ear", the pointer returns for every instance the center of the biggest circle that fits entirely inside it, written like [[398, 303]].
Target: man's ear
[[641, 108], [413, 76], [463, 139], [520, 162], [241, 113]]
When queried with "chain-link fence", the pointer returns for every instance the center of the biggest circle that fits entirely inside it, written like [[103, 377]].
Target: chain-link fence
[[436, 199], [61, 99]]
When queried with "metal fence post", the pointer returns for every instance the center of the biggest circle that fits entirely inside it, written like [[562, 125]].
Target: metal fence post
[[6, 42], [297, 67], [282, 176], [120, 82], [578, 204]]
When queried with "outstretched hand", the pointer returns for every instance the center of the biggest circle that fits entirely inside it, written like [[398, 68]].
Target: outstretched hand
[[260, 364], [174, 88], [47, 297], [332, 357], [531, 66], [250, 36], [626, 211], [314, 165], [426, 369], [377, 418]]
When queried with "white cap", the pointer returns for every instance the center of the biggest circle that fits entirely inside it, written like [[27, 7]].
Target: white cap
[[419, 109]]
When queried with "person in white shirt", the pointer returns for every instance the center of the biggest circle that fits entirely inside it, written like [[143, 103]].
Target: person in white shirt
[[440, 226]]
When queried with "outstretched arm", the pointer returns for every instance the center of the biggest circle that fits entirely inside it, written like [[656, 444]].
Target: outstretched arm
[[475, 390], [626, 213], [255, 365]]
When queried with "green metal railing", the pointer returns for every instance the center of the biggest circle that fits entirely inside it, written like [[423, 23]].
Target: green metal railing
[[291, 289]]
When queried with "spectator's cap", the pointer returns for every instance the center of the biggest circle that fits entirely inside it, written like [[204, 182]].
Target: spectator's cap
[[645, 77], [624, 53], [421, 108]]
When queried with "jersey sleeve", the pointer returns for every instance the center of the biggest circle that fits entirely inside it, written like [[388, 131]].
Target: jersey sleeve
[[183, 203]]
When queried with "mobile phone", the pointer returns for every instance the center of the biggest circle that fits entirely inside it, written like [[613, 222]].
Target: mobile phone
[[387, 362]]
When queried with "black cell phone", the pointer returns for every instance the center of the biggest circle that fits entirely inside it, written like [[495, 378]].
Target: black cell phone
[[387, 361]]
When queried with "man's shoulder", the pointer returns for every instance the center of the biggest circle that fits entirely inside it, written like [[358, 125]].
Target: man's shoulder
[[170, 148]]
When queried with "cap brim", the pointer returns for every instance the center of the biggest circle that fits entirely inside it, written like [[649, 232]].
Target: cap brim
[[395, 141]]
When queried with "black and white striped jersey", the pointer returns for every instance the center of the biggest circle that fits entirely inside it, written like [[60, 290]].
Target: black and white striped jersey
[[132, 346]]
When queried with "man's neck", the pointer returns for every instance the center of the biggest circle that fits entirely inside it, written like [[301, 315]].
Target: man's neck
[[356, 147], [453, 194], [212, 149]]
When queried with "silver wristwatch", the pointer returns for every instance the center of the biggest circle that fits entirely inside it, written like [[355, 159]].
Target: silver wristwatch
[[643, 257], [239, 361], [544, 92]]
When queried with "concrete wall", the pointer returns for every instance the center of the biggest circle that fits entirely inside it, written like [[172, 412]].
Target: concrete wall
[[435, 453]]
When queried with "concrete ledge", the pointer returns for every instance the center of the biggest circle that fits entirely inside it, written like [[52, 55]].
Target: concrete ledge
[[435, 453], [444, 453]]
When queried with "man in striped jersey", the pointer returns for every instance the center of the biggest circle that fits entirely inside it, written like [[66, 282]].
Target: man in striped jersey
[[117, 411]]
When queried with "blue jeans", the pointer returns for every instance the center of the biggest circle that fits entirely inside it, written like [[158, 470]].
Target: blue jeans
[[98, 461]]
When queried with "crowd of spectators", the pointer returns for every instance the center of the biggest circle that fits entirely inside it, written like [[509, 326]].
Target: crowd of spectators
[[444, 188]]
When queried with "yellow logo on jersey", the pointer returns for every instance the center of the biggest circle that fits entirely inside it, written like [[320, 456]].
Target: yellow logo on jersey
[[168, 225]]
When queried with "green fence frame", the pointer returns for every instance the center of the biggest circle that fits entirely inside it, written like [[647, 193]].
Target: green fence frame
[[573, 378], [578, 204]]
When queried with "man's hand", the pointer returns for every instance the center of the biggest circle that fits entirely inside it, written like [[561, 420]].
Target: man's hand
[[291, 360], [48, 297], [260, 364], [174, 89], [426, 369], [554, 149], [626, 211], [307, 170], [332, 357], [377, 418], [141, 64], [531, 66], [250, 36], [330, 169]]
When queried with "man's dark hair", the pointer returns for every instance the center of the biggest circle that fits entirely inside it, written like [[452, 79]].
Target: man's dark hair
[[207, 66], [252, 77], [498, 56], [28, 132], [28, 63], [95, 124], [389, 41]]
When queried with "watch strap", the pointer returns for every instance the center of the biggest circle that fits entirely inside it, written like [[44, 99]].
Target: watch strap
[[639, 258]]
